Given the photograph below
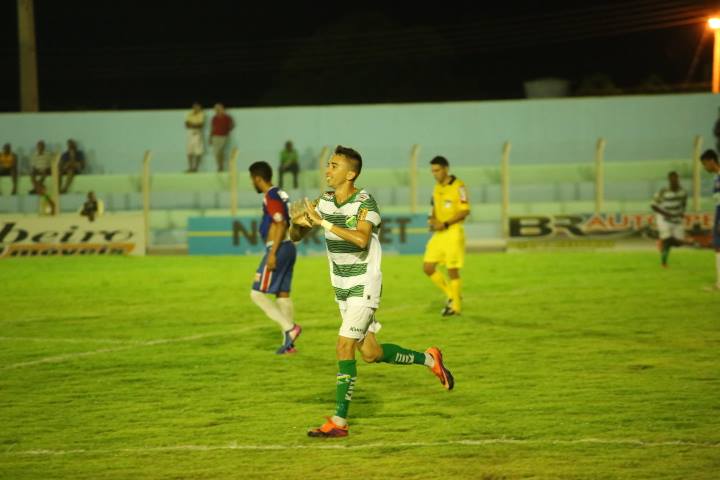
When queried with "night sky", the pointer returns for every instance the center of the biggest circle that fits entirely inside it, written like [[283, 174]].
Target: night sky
[[142, 55]]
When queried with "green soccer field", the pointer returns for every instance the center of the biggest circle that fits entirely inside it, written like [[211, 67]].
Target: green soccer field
[[567, 365]]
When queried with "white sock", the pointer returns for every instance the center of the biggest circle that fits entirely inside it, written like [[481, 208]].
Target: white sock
[[285, 304], [429, 360], [339, 421], [717, 268], [270, 309]]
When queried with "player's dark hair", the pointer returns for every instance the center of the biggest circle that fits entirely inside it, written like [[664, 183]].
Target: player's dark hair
[[262, 170], [353, 156], [709, 154], [440, 160], [673, 174]]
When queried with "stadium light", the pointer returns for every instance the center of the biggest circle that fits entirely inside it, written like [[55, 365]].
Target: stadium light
[[714, 24]]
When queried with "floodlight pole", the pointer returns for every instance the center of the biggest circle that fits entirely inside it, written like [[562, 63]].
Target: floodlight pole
[[28, 56], [714, 24]]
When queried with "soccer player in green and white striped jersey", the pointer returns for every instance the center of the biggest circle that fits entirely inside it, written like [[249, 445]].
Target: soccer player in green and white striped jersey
[[351, 220], [669, 206]]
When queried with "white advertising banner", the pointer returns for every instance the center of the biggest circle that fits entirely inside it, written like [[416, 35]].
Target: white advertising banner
[[71, 235]]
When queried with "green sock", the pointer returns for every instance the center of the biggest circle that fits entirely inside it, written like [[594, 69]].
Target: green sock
[[401, 356], [347, 372], [665, 252]]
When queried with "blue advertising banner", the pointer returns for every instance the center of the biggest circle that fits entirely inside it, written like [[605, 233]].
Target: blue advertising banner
[[400, 234]]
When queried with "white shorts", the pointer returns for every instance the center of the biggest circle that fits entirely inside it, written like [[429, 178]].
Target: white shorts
[[194, 142], [669, 230], [357, 320]]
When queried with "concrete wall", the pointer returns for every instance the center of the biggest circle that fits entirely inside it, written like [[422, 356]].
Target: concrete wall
[[468, 133]]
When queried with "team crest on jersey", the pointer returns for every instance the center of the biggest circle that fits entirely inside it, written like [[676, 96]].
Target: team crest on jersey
[[351, 222]]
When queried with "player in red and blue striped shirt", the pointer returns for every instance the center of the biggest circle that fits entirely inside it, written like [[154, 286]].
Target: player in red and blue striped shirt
[[274, 275]]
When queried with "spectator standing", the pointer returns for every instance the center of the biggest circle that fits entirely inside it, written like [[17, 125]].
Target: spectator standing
[[72, 163], [40, 163], [289, 163], [222, 125], [194, 123], [9, 166]]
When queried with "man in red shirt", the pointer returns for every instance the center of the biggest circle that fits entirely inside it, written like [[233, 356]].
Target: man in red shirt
[[222, 124]]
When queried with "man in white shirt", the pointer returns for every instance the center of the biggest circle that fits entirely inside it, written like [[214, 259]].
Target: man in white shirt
[[194, 123], [40, 163]]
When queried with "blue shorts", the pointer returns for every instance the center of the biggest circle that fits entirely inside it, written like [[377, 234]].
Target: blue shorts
[[716, 229], [280, 279]]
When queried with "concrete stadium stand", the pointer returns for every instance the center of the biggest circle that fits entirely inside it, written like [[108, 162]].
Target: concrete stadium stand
[[535, 189]]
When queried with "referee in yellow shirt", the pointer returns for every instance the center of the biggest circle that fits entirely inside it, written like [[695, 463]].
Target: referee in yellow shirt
[[447, 245]]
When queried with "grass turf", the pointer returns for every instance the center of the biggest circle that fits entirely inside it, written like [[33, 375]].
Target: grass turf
[[568, 365]]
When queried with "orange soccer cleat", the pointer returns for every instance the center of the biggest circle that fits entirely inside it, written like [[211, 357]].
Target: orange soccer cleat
[[329, 429], [439, 370]]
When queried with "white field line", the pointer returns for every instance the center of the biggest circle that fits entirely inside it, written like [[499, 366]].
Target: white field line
[[630, 442], [149, 343], [69, 340]]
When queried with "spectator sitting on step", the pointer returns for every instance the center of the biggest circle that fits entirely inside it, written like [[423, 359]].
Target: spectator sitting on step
[[9, 165], [72, 163], [40, 162], [92, 207], [289, 163]]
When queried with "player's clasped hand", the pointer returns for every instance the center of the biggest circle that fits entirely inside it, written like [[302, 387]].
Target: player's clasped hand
[[311, 213], [298, 215]]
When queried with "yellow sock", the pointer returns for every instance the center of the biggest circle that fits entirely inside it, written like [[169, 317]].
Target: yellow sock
[[439, 280], [455, 285]]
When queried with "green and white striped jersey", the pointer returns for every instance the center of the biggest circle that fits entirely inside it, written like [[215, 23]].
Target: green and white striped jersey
[[354, 272], [672, 202]]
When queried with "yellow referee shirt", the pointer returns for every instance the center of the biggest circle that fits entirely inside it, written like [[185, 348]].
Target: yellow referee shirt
[[449, 199]]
